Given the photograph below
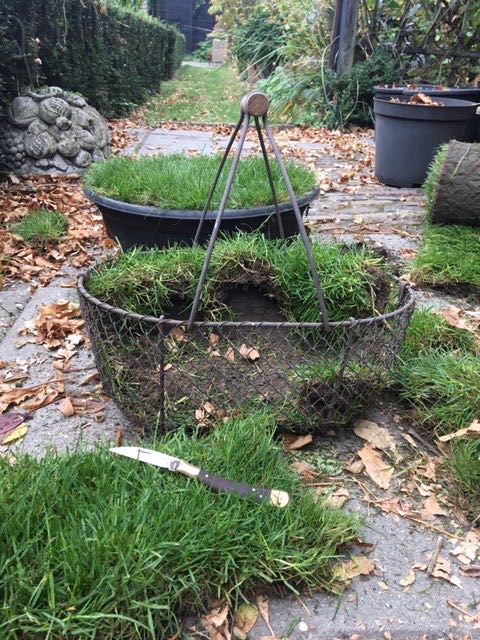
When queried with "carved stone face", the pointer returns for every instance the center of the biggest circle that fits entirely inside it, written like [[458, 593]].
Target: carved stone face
[[53, 108], [22, 111]]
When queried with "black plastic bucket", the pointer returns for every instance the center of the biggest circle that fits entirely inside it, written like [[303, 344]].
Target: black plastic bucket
[[385, 92], [407, 136], [134, 225], [472, 131]]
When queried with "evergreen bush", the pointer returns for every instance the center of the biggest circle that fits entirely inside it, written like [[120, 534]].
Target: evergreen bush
[[114, 57]]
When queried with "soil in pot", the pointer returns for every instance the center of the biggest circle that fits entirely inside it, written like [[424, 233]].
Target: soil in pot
[[157, 200], [408, 134]]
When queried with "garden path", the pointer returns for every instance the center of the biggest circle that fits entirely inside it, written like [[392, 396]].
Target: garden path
[[352, 207]]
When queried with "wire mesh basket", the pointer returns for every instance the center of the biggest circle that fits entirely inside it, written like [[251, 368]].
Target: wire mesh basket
[[164, 373]]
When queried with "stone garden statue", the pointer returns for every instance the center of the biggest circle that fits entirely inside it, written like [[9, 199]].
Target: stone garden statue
[[51, 131]]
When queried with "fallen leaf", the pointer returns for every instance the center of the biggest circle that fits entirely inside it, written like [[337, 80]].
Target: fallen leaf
[[216, 623], [409, 579], [15, 434], [305, 470], [432, 508], [119, 433], [66, 407], [249, 353], [262, 604], [178, 334], [338, 497], [375, 467], [8, 421], [473, 571], [472, 430], [356, 566], [291, 442], [230, 354], [355, 467], [378, 437], [246, 617], [213, 339]]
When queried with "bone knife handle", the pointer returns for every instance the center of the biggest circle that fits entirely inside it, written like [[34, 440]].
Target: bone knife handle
[[259, 494]]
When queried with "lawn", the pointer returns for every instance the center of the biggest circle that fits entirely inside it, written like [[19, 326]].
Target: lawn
[[449, 255], [95, 546], [198, 94]]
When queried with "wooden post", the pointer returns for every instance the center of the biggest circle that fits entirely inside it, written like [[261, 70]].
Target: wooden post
[[347, 36]]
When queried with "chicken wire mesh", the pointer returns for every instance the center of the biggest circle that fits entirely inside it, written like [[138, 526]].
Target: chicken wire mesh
[[162, 374]]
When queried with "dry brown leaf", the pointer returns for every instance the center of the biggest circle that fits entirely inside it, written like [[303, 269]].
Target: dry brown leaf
[[472, 430], [473, 571], [249, 353], [262, 604], [213, 339], [375, 466], [230, 354], [291, 441], [66, 407], [356, 566], [355, 467], [431, 508], [452, 315], [305, 470], [378, 437], [338, 497], [216, 623], [409, 579], [54, 323]]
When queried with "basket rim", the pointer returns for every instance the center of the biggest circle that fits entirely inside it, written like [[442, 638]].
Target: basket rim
[[406, 301]]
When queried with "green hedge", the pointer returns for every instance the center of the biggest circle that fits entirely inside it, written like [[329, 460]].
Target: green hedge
[[114, 57]]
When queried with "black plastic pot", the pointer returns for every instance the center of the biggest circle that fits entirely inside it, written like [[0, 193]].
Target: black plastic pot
[[407, 136], [395, 91], [472, 131], [134, 225]]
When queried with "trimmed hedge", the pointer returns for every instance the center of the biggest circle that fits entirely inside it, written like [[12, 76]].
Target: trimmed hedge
[[112, 56]]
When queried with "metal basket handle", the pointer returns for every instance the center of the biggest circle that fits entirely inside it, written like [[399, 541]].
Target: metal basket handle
[[254, 104]]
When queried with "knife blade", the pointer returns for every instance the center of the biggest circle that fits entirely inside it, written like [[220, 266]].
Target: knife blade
[[275, 497]]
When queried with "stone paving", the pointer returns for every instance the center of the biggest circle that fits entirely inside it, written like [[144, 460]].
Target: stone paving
[[375, 607]]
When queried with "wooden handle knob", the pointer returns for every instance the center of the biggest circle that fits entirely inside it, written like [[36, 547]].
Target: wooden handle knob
[[255, 104]]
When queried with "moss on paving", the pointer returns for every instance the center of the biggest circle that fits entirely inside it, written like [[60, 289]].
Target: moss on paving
[[448, 256], [93, 545], [202, 95], [182, 182]]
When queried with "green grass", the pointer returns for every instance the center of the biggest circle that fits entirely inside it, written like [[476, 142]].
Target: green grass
[[41, 226], [431, 181], [198, 95], [430, 331], [464, 461], [183, 182], [449, 255], [438, 373], [146, 282], [95, 546]]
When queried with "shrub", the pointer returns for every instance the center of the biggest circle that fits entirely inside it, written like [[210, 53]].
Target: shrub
[[41, 226], [309, 93], [113, 56], [258, 41], [92, 545]]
